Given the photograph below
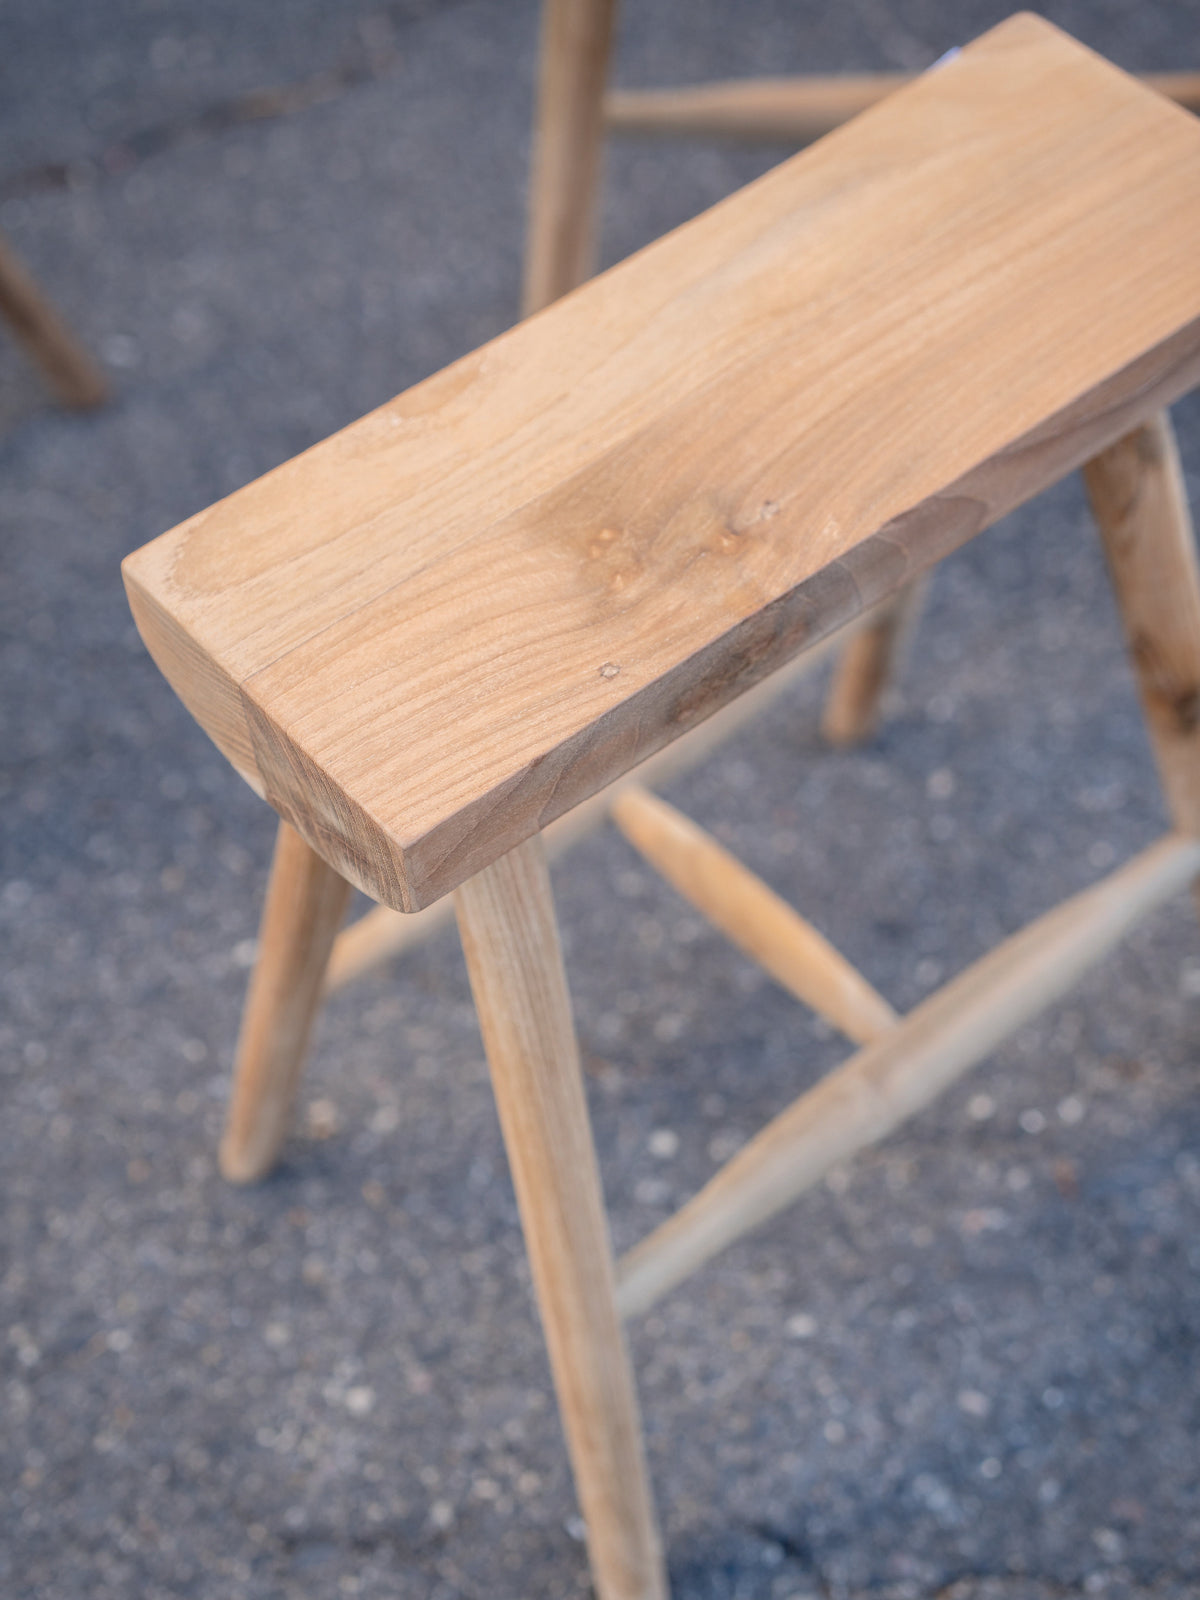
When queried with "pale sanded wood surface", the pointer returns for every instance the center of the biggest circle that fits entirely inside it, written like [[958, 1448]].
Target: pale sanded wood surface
[[792, 109], [305, 904], [905, 1069], [66, 365], [510, 939], [433, 633], [568, 146], [381, 933], [751, 914], [1138, 498]]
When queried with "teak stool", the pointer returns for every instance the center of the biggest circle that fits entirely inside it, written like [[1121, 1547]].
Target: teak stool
[[464, 616]]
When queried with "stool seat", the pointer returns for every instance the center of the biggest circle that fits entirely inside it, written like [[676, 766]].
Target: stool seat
[[428, 636]]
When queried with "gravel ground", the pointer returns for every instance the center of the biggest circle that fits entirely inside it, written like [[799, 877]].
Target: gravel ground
[[966, 1366]]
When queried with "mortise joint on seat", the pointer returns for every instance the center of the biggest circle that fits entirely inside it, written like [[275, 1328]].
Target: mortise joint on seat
[[450, 623]]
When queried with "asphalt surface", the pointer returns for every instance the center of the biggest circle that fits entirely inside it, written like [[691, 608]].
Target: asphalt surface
[[966, 1366]]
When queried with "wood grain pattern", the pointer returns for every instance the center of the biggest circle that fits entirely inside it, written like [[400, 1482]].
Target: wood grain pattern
[[67, 367], [751, 915], [1138, 498], [792, 110], [580, 541], [306, 901], [510, 938], [867, 1097], [382, 933], [568, 147]]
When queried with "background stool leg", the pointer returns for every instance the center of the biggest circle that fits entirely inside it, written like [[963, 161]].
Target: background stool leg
[[66, 365], [1138, 499], [510, 937], [573, 66], [866, 665], [305, 904]]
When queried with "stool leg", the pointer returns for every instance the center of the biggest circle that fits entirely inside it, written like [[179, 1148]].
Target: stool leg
[[67, 367], [1140, 506], [866, 665], [573, 65], [510, 937], [306, 900]]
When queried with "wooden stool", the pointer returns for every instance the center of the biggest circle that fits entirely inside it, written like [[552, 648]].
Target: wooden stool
[[463, 617], [574, 110]]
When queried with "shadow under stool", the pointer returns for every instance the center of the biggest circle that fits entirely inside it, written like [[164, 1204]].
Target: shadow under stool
[[475, 610]]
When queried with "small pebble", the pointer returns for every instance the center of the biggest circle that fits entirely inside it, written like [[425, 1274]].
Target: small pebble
[[974, 1403], [1071, 1110], [940, 784], [322, 1119]]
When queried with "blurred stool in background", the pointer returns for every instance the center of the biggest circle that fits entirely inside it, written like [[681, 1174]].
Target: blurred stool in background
[[66, 366], [482, 606]]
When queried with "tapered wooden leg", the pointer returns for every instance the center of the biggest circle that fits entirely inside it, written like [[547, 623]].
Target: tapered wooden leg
[[305, 904], [68, 369], [866, 666], [576, 39], [1138, 499], [510, 937]]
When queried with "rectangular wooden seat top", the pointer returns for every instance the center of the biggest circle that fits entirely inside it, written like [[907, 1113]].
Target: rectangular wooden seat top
[[431, 634]]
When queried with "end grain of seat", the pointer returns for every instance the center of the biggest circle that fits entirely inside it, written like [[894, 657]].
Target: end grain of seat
[[446, 625]]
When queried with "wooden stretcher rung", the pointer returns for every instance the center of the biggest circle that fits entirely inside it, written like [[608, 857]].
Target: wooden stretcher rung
[[752, 915], [884, 1083], [379, 935], [791, 110]]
